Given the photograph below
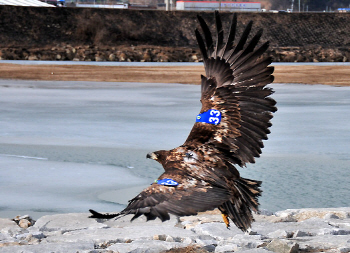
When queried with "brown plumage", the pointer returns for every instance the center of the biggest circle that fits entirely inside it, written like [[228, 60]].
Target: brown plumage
[[204, 166]]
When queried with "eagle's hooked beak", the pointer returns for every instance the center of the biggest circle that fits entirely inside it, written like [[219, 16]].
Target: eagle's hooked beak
[[152, 156]]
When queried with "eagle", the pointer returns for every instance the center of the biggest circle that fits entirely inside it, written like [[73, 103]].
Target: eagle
[[234, 119]]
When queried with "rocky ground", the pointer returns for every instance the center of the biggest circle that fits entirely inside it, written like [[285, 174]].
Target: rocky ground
[[144, 53], [297, 230]]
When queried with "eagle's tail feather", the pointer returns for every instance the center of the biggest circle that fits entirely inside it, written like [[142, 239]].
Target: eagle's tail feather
[[240, 209]]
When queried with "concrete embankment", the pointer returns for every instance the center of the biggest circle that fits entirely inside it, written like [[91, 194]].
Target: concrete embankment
[[138, 35], [289, 231]]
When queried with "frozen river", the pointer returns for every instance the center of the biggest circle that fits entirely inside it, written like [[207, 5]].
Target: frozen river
[[71, 146]]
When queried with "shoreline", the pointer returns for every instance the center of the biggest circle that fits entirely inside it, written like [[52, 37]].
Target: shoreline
[[291, 230], [337, 75]]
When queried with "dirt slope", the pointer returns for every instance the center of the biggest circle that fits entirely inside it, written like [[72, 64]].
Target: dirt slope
[[135, 35]]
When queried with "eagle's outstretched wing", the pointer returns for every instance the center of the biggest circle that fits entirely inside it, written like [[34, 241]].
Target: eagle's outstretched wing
[[189, 193], [236, 110], [235, 87], [180, 195]]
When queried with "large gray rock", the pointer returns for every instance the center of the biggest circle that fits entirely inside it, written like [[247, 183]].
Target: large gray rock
[[216, 230], [307, 213], [278, 246], [340, 223], [259, 250], [44, 247], [226, 248], [311, 227], [145, 246], [8, 227], [120, 235], [324, 243], [67, 222], [280, 233], [247, 241]]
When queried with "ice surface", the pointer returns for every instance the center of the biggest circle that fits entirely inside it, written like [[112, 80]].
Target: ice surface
[[69, 146]]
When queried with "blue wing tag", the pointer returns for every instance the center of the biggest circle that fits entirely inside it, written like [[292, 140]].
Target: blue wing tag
[[167, 182], [211, 116]]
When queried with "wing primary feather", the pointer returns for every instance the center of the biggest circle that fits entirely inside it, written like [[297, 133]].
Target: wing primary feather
[[244, 37], [163, 214], [231, 37], [254, 41], [239, 54], [249, 70], [249, 58], [251, 81], [158, 214], [137, 214], [262, 75], [151, 215], [207, 35], [201, 45], [219, 34]]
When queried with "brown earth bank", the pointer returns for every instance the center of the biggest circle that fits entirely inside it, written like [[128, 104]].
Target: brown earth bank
[[32, 33], [306, 74]]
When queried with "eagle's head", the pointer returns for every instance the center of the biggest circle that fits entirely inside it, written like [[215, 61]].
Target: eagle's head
[[159, 156], [152, 155]]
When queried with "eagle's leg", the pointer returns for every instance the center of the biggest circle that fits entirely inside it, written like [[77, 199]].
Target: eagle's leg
[[227, 222]]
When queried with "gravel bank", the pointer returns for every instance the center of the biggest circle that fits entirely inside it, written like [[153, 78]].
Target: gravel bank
[[293, 230]]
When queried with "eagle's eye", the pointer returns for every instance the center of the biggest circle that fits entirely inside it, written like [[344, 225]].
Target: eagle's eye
[[188, 155]]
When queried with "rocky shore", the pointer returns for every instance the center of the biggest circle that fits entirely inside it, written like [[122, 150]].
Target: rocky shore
[[293, 230], [98, 53], [161, 54]]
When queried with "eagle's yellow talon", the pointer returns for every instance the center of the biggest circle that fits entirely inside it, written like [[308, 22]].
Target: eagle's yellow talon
[[227, 222]]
